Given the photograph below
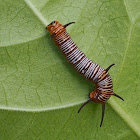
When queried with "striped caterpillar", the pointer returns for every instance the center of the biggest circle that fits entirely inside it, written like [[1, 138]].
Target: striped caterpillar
[[91, 71]]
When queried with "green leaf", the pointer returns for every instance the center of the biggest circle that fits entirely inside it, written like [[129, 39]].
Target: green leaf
[[40, 92]]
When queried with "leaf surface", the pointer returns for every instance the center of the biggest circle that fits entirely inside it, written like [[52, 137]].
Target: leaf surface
[[36, 78]]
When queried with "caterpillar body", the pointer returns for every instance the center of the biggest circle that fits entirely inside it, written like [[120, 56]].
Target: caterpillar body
[[93, 72]]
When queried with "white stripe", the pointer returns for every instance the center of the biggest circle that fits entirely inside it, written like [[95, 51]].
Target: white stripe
[[71, 49], [84, 64], [75, 54], [90, 70], [66, 50], [80, 62], [76, 59], [71, 56], [66, 44], [98, 73], [94, 71]]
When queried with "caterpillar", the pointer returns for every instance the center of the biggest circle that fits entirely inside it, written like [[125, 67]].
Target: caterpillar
[[91, 71]]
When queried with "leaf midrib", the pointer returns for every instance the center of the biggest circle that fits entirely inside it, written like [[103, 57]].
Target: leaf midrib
[[36, 12], [112, 102]]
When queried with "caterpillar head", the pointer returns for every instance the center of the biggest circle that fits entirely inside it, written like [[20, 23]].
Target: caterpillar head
[[55, 28], [93, 96], [53, 25]]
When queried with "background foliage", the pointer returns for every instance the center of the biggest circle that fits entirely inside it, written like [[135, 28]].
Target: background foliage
[[40, 92]]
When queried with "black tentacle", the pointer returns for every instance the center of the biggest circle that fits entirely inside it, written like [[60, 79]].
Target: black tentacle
[[103, 110]]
